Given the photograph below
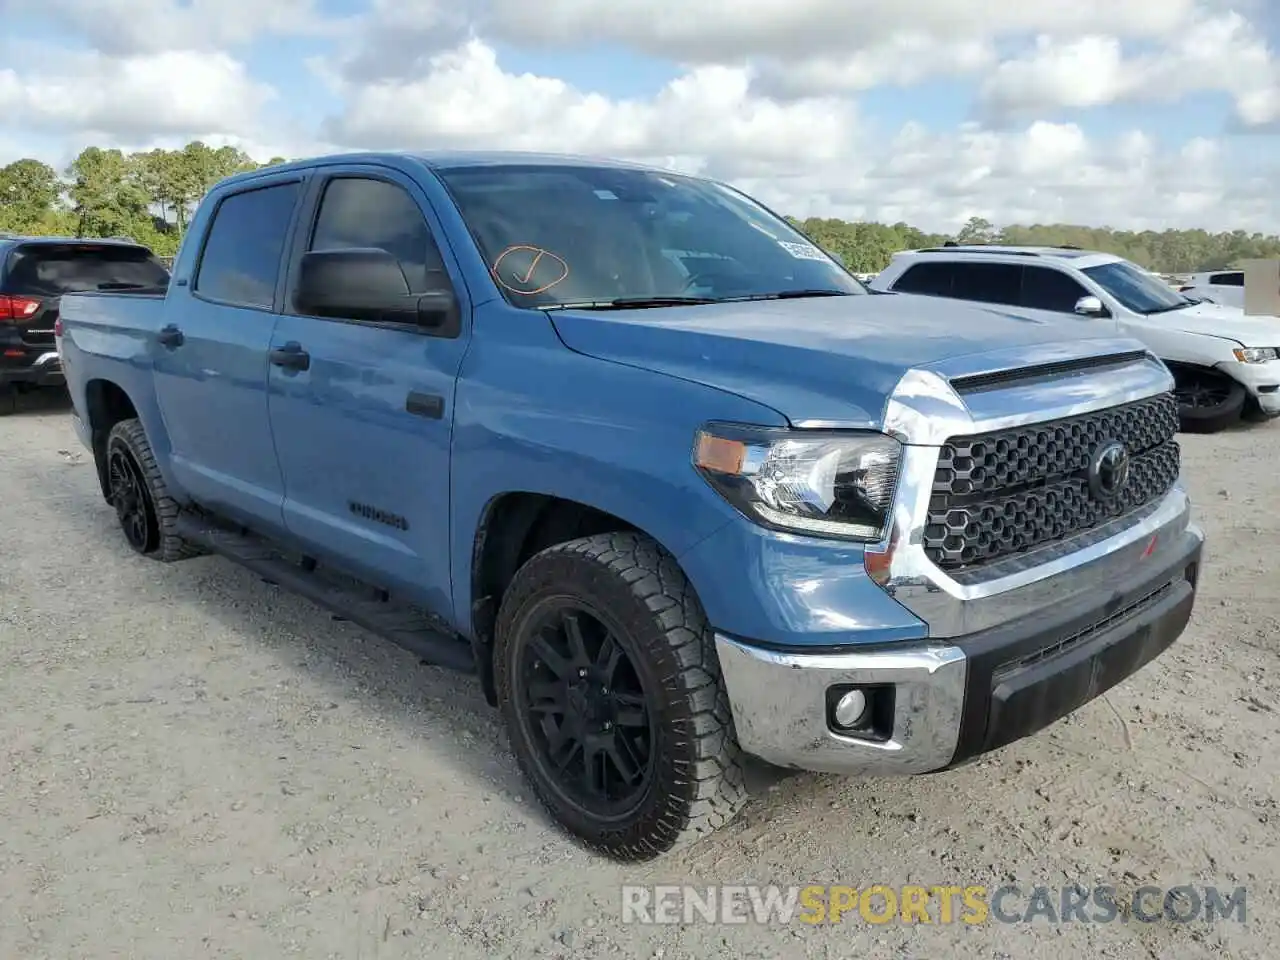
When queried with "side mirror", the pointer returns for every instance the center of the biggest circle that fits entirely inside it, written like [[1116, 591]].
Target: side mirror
[[1090, 307], [368, 284]]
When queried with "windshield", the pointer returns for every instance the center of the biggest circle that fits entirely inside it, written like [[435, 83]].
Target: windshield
[[557, 236], [1135, 288]]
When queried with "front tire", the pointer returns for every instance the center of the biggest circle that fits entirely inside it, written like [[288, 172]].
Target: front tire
[[1208, 402], [606, 671], [136, 489]]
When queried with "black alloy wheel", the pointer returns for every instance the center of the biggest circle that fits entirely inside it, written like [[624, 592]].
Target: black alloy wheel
[[131, 499], [1202, 393], [585, 709], [1208, 402]]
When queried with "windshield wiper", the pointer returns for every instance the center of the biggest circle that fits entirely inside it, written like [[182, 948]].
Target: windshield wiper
[[640, 303], [630, 303], [1176, 306], [789, 295]]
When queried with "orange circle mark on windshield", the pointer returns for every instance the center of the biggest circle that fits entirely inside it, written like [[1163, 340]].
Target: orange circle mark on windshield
[[527, 270]]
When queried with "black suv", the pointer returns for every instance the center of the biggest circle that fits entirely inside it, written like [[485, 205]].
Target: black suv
[[34, 274]]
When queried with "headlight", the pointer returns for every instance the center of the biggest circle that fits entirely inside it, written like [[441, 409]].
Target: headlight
[[1255, 354], [826, 484]]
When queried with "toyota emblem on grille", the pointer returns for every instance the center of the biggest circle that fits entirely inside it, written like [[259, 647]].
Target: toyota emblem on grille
[[1109, 470]]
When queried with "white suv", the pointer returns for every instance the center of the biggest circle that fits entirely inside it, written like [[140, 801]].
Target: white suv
[[1225, 363], [1225, 287]]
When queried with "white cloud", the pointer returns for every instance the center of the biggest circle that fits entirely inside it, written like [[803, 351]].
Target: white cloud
[[124, 27], [802, 47], [1223, 53], [1045, 172], [903, 60], [811, 156], [767, 96], [465, 99], [719, 30], [175, 92], [397, 37]]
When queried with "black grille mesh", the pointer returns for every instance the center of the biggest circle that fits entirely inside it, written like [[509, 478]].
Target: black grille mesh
[[1008, 492]]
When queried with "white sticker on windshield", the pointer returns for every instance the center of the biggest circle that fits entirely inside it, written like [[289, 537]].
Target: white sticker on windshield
[[606, 195], [802, 251]]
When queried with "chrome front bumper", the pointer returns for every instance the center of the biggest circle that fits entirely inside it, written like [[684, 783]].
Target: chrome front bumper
[[958, 697], [780, 714]]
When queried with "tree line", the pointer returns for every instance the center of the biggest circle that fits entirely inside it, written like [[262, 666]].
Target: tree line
[[147, 196], [150, 196]]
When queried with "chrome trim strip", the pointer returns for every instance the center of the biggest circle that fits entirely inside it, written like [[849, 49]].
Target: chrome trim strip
[[50, 356], [925, 410], [779, 706], [1016, 358], [835, 424]]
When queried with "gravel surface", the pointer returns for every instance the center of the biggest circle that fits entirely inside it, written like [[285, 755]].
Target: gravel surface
[[199, 765]]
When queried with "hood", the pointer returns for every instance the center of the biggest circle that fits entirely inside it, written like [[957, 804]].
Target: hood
[[1221, 320], [821, 358]]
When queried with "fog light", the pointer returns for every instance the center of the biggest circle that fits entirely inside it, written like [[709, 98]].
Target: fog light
[[849, 709]]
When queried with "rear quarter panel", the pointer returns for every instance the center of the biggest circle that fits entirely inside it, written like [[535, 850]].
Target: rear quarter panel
[[111, 337]]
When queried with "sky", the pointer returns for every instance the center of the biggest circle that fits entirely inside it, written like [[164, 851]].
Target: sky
[[1133, 114]]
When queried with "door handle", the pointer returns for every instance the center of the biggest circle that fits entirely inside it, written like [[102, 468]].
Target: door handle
[[170, 336], [429, 405], [291, 356]]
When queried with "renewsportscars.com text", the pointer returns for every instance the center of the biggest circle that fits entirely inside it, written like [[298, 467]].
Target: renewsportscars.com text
[[941, 904]]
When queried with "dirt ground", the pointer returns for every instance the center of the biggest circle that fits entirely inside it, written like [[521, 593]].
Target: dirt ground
[[198, 765]]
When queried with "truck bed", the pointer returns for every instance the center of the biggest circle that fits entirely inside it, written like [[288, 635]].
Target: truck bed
[[111, 335], [140, 310]]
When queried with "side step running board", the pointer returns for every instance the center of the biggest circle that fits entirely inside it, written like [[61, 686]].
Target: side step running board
[[403, 626]]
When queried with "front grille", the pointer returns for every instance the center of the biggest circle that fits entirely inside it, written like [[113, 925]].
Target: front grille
[[1000, 494]]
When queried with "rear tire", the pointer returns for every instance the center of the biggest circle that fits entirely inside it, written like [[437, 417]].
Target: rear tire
[[1208, 402], [609, 683], [146, 513]]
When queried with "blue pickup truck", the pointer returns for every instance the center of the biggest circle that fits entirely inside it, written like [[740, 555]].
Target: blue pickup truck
[[678, 489]]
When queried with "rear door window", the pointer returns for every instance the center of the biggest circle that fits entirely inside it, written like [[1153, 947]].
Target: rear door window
[[988, 283], [930, 279], [50, 270], [1047, 289], [241, 259]]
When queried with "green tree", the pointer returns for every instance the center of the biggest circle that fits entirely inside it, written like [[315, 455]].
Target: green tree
[[29, 195], [978, 230], [106, 197]]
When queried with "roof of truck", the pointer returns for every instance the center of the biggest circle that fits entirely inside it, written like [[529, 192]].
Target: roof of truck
[[450, 160]]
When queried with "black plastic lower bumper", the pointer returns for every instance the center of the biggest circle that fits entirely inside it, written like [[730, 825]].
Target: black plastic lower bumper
[[32, 366], [1020, 680]]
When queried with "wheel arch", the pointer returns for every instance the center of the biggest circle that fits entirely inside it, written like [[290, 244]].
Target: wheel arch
[[106, 404], [1196, 418], [513, 526]]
